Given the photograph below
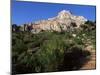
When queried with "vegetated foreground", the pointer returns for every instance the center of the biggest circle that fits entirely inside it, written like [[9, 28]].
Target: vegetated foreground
[[54, 51]]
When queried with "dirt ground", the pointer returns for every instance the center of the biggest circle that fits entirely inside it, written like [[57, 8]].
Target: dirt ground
[[91, 64]]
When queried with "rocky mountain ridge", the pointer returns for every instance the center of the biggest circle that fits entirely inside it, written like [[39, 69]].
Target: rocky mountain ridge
[[63, 21]]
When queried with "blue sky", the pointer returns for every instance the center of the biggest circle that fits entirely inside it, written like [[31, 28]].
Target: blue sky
[[26, 12]]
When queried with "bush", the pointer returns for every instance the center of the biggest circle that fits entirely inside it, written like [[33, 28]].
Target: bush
[[46, 51]]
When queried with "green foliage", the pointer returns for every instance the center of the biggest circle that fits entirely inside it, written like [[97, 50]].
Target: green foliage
[[45, 51]]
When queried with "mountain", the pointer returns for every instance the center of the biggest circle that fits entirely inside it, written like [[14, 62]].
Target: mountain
[[63, 21]]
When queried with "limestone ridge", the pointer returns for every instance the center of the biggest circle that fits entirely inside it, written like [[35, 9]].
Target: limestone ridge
[[62, 21]]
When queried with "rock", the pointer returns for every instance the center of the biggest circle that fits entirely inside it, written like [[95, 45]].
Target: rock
[[62, 22], [74, 35]]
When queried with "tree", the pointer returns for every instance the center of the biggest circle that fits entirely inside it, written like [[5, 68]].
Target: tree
[[90, 23], [14, 27]]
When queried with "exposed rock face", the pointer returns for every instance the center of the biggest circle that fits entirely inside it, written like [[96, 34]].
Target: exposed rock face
[[62, 21]]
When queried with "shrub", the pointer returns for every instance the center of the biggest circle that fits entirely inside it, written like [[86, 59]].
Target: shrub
[[46, 51]]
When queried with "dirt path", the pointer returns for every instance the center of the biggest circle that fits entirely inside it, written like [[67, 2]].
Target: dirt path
[[91, 64]]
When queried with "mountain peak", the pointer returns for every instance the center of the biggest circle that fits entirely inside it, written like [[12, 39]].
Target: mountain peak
[[64, 14], [64, 19]]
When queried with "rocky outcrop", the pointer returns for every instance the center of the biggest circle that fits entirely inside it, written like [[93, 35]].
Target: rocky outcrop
[[62, 21]]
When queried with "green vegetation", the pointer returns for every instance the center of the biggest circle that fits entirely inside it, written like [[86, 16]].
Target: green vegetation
[[45, 51]]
